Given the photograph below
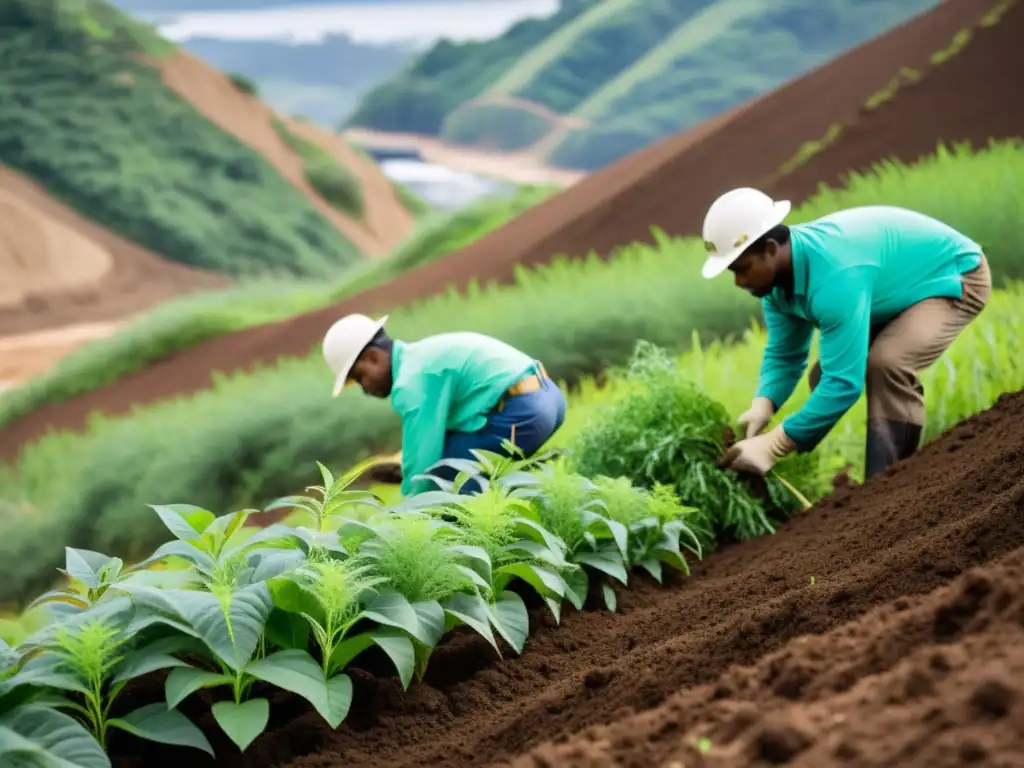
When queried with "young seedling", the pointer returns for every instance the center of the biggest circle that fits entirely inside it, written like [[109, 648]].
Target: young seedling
[[335, 499]]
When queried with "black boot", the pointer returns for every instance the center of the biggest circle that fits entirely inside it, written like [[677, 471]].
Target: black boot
[[887, 442]]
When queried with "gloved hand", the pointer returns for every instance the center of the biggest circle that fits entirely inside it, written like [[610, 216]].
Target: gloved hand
[[757, 455], [757, 416]]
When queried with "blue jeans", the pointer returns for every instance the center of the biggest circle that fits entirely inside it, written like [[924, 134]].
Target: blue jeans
[[536, 416]]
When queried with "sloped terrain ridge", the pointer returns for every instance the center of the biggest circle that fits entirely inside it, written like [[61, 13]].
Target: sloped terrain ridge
[[858, 570], [597, 81], [668, 185]]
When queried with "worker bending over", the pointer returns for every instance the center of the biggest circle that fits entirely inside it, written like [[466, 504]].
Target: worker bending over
[[455, 392], [889, 289]]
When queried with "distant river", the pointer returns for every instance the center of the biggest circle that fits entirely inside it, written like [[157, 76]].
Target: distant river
[[418, 24]]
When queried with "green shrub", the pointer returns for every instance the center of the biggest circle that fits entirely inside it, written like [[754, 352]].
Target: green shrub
[[336, 183], [664, 429], [507, 127], [244, 83]]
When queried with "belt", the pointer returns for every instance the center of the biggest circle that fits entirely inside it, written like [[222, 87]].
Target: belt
[[525, 385]]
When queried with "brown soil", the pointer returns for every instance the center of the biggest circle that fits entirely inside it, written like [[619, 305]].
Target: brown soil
[[668, 184], [879, 660], [29, 354], [60, 268], [250, 121]]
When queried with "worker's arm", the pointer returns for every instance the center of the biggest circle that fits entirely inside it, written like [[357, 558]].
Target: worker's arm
[[424, 424], [785, 355], [843, 309]]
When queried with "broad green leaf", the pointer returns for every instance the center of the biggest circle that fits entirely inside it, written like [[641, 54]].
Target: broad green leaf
[[610, 599], [606, 562], [472, 611], [177, 548], [230, 626], [392, 609], [431, 618], [77, 602], [84, 565], [288, 595], [242, 722], [226, 526], [155, 655], [477, 558], [675, 529], [531, 529], [653, 566], [577, 585], [339, 694], [155, 722], [535, 550], [674, 559], [555, 606], [271, 563], [184, 681], [287, 630], [478, 581], [137, 665], [395, 644], [297, 672], [49, 670], [546, 583], [509, 617], [55, 739], [612, 528], [185, 521]]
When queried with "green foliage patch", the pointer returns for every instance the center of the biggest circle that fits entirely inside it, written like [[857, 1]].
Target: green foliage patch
[[336, 183], [98, 128], [223, 607]]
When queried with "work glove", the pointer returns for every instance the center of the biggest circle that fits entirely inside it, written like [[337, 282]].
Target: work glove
[[757, 416], [757, 455]]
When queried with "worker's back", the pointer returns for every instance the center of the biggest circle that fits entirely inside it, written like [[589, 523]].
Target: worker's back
[[910, 255]]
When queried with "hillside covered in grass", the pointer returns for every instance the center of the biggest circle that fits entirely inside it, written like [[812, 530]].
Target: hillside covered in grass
[[598, 81], [89, 114]]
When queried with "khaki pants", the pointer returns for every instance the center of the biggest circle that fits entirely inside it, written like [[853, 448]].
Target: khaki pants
[[911, 342]]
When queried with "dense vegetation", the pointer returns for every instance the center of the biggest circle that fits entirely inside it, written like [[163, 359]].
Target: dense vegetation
[[97, 127], [253, 437], [187, 321], [293, 607], [449, 74], [636, 70]]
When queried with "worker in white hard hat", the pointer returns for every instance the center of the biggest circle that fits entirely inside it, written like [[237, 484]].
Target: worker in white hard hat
[[889, 290], [455, 392]]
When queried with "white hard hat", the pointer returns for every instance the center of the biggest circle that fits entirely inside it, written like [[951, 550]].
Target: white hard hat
[[735, 221], [344, 341]]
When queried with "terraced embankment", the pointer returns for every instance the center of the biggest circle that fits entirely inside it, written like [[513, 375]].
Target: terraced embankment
[[706, 655]]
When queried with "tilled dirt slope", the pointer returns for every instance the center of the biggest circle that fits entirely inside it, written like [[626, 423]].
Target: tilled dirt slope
[[957, 505]]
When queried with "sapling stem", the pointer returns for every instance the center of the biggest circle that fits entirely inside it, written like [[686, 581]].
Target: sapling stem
[[789, 486]]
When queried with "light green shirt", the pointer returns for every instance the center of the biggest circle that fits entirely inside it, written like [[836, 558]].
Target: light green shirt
[[447, 382], [851, 270]]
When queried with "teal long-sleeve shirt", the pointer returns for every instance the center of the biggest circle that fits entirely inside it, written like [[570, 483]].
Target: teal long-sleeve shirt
[[852, 270], [447, 382]]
